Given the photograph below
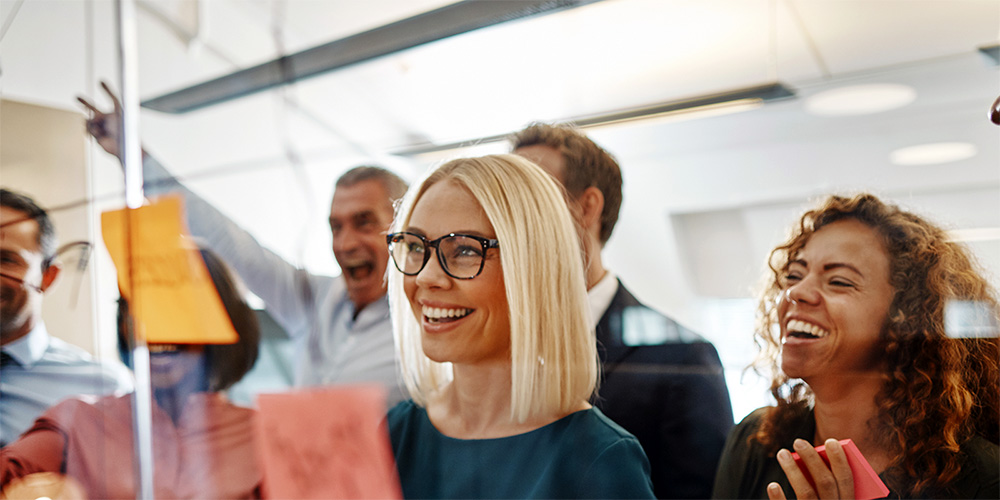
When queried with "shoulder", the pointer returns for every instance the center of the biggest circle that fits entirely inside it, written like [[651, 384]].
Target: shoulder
[[404, 418], [402, 410], [660, 328], [594, 423], [611, 461], [743, 466], [84, 408], [61, 354], [747, 427], [980, 475], [752, 421], [591, 436], [739, 441]]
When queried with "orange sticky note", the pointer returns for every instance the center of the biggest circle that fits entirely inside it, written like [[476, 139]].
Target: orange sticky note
[[327, 442], [867, 484], [174, 300]]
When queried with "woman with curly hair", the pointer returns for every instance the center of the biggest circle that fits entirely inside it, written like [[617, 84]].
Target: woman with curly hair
[[852, 332]]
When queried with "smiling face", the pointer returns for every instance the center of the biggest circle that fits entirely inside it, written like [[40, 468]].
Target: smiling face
[[22, 281], [835, 303], [461, 321], [169, 364], [360, 215]]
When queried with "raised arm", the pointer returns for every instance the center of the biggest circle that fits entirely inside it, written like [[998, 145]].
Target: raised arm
[[289, 292]]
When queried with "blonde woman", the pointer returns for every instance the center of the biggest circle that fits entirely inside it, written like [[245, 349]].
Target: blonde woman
[[497, 350]]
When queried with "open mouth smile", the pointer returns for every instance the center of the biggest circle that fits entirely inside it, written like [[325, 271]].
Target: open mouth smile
[[803, 330], [444, 315], [359, 271]]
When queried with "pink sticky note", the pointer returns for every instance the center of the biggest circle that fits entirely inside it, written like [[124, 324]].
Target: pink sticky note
[[326, 443], [867, 484]]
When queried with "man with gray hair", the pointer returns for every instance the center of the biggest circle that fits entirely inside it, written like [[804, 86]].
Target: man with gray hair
[[341, 324]]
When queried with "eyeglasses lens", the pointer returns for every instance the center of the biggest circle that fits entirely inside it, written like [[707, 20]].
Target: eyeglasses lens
[[461, 256]]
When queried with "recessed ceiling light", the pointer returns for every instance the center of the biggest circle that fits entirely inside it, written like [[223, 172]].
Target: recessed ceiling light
[[860, 99], [933, 153]]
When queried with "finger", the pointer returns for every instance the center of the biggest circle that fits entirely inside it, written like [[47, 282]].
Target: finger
[[111, 94], [796, 478], [774, 492], [88, 105], [841, 469], [826, 484]]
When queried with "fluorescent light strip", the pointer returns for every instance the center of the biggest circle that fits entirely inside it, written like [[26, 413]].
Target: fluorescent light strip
[[974, 234], [438, 24], [696, 107]]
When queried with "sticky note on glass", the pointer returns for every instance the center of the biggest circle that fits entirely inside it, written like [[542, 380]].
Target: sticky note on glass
[[173, 300], [328, 442], [867, 484]]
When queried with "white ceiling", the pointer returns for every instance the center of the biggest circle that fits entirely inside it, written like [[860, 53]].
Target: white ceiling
[[704, 199]]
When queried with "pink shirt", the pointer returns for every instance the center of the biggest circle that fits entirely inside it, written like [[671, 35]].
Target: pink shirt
[[209, 453]]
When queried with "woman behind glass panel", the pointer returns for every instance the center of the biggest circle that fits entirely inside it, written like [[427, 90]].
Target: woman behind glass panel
[[852, 331], [203, 445], [497, 351]]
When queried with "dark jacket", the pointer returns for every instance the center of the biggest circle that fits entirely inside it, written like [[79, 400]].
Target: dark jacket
[[670, 393]]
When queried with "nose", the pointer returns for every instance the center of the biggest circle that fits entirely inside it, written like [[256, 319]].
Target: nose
[[805, 291], [433, 275], [345, 240]]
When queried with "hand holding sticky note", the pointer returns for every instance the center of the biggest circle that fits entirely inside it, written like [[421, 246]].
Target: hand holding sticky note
[[867, 484], [170, 292]]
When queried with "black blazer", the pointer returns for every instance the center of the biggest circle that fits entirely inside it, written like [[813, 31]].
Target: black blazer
[[670, 394]]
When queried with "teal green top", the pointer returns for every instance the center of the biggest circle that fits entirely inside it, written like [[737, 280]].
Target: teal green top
[[582, 455]]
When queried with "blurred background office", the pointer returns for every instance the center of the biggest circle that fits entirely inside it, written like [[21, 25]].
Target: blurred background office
[[728, 117]]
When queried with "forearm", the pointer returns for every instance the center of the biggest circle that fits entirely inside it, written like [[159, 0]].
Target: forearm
[[42, 449], [283, 287]]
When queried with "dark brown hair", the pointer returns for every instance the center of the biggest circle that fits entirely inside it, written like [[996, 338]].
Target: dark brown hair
[[587, 164], [46, 231]]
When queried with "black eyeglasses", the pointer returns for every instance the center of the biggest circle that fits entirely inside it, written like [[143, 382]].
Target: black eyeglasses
[[461, 255]]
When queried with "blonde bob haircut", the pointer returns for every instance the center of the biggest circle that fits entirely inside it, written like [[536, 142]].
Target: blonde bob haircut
[[553, 355]]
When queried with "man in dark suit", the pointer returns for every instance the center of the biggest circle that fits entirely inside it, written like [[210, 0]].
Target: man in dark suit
[[661, 381]]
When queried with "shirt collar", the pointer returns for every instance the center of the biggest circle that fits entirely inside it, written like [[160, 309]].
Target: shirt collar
[[602, 294], [27, 350]]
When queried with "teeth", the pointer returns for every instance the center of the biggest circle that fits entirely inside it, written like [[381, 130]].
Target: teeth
[[801, 326], [438, 312]]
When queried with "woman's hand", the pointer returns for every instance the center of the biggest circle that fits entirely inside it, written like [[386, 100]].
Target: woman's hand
[[831, 481]]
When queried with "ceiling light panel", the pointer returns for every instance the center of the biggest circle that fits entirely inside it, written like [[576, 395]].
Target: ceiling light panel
[[860, 99], [933, 153]]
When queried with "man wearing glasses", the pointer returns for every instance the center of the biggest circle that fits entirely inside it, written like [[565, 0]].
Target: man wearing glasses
[[341, 324], [36, 370], [661, 381]]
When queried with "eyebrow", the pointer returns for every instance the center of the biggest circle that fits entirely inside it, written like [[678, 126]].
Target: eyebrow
[[355, 215], [830, 266], [469, 232]]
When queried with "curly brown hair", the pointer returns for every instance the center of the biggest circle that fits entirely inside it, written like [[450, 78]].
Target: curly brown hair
[[937, 391]]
